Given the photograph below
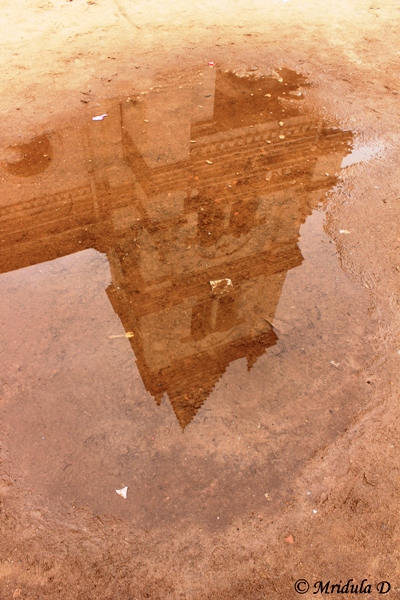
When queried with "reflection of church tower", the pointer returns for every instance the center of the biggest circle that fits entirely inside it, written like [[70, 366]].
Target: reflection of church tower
[[196, 182], [223, 198]]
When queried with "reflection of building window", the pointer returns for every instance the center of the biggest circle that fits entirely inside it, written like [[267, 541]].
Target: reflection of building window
[[226, 313], [213, 315], [212, 223], [201, 320]]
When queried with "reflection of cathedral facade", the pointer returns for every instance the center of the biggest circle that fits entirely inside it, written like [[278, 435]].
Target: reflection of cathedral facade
[[181, 186]]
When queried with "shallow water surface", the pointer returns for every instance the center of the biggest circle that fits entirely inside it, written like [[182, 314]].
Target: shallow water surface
[[166, 272]]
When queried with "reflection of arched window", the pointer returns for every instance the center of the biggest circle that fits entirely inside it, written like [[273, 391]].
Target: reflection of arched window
[[201, 320], [215, 314], [211, 221], [226, 313]]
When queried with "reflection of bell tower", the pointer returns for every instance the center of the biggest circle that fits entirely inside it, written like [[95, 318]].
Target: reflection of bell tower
[[196, 192], [235, 188]]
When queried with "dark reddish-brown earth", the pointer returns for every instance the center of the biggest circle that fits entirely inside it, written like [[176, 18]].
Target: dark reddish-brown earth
[[199, 300]]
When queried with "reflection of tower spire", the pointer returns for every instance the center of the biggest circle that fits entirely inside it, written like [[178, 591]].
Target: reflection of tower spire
[[190, 382]]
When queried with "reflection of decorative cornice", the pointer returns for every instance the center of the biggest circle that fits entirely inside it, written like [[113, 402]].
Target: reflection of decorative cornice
[[281, 258], [30, 219], [228, 150], [52, 214], [296, 129]]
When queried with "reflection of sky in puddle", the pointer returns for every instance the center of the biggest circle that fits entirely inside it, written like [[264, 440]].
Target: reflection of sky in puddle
[[361, 154]]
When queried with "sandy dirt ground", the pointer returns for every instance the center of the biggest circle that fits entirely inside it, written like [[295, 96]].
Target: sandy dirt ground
[[264, 473]]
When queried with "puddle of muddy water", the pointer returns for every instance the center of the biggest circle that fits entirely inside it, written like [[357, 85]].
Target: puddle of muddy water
[[122, 364]]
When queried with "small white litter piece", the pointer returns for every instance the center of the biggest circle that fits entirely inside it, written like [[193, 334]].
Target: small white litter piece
[[128, 334], [123, 492], [344, 231], [221, 286], [99, 117]]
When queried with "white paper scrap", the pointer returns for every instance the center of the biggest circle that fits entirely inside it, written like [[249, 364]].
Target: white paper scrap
[[122, 492], [221, 286]]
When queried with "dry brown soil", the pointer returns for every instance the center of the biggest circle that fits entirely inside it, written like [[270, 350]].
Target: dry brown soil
[[199, 298]]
